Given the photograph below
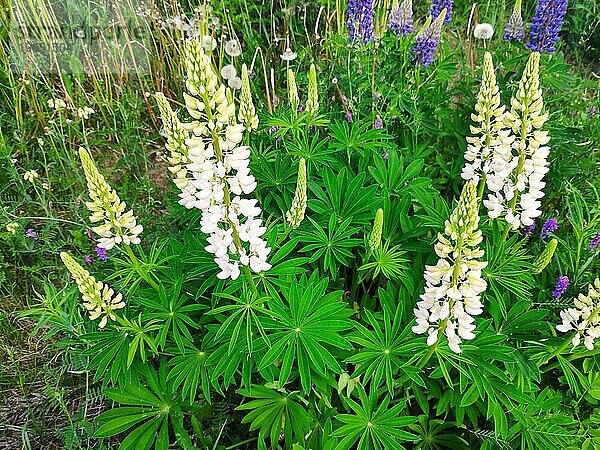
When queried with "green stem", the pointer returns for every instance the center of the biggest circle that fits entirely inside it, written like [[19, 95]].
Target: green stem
[[556, 352]]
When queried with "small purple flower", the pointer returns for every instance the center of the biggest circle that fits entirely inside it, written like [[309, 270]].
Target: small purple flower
[[528, 230], [591, 111], [437, 6], [300, 108], [401, 21], [386, 155], [31, 233], [550, 226], [360, 20], [561, 286], [545, 25], [101, 253], [594, 242], [349, 117], [378, 124], [88, 260], [428, 40], [275, 101], [514, 31]]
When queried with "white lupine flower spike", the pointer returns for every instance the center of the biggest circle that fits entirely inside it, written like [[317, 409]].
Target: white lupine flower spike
[[106, 206], [584, 318], [517, 182], [454, 285], [98, 299], [490, 141], [218, 168]]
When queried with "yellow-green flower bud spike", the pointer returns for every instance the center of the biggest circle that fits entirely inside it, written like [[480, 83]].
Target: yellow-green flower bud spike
[[312, 103], [296, 213], [98, 299], [119, 226], [375, 238], [247, 113], [176, 141], [545, 257], [293, 90], [201, 78]]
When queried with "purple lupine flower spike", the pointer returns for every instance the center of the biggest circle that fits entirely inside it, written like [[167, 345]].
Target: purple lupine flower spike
[[102, 254], [428, 40], [438, 6], [378, 124], [360, 20], [88, 260], [528, 230], [514, 30], [550, 226], [401, 21], [594, 242], [561, 286], [545, 25]]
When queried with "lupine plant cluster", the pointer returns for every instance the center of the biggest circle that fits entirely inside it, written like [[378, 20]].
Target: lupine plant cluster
[[356, 255]]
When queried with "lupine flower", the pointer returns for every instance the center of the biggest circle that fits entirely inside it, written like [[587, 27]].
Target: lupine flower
[[233, 48], [545, 257], [349, 117], [489, 137], [584, 318], [375, 237], [438, 6], [12, 227], [401, 21], [545, 25], [220, 173], [518, 175], [594, 242], [483, 31], [296, 213], [454, 285], [378, 124], [312, 103], [176, 141], [292, 90], [102, 254], [247, 113], [514, 31], [550, 226], [428, 40], [98, 298], [561, 286], [88, 260], [360, 20], [119, 226]]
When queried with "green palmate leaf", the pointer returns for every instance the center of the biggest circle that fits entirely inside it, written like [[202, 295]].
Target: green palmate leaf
[[151, 406], [189, 371], [382, 348], [345, 195], [333, 247], [358, 138], [374, 425], [273, 411], [305, 329], [388, 261]]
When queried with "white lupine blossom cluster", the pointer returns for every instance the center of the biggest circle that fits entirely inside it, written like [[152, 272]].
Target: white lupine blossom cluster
[[584, 319], [119, 226], [516, 177], [454, 285], [218, 172], [490, 142], [98, 299]]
